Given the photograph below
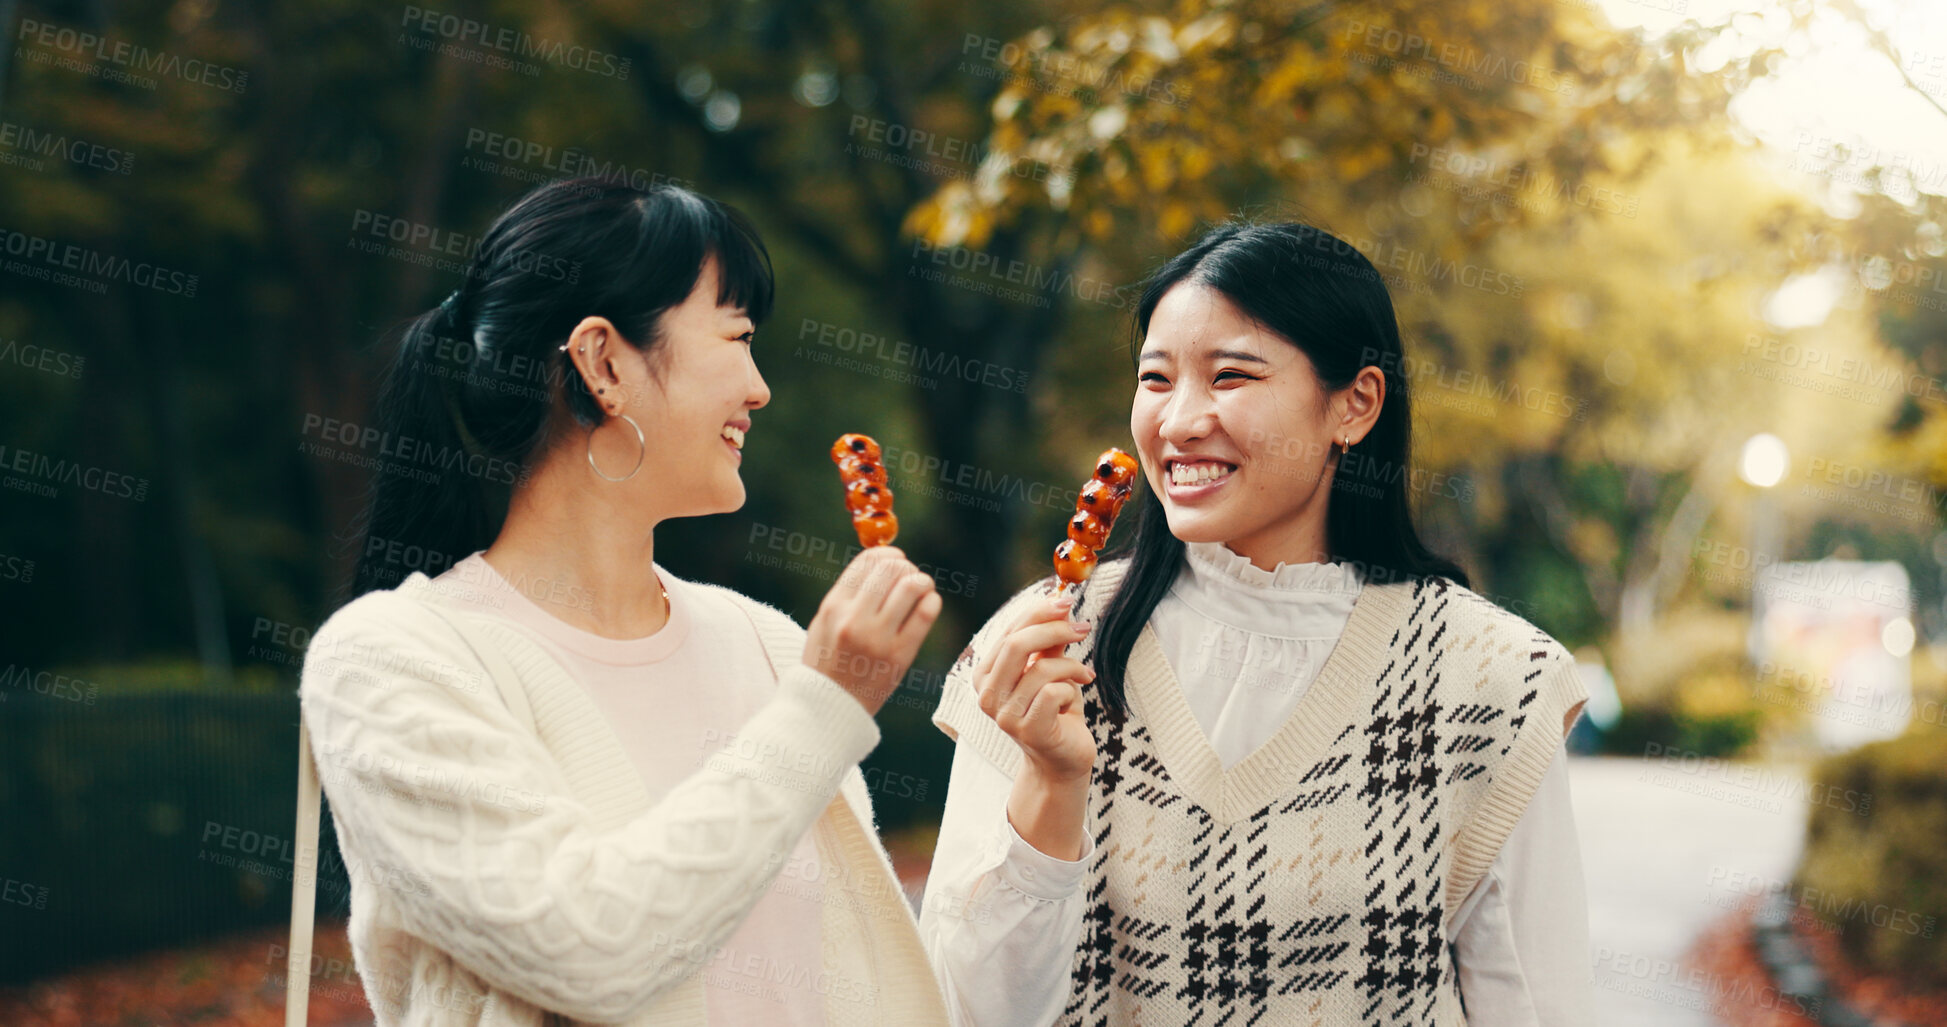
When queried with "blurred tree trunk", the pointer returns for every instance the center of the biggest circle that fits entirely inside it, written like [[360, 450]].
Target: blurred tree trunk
[[328, 379], [105, 555], [164, 382]]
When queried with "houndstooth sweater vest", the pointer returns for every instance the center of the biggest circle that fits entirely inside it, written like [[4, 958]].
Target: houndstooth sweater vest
[[1311, 882]]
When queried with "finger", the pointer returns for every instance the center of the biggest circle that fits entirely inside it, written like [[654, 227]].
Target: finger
[[904, 584], [1040, 719], [1009, 709], [1035, 726], [991, 694], [864, 567], [1029, 716], [900, 605], [1037, 612], [998, 691], [1047, 672], [1025, 647], [1069, 696], [862, 563], [1061, 668], [877, 582], [913, 630], [1036, 638]]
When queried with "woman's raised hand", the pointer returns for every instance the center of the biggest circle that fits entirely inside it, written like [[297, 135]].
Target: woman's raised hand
[[870, 625], [1034, 692]]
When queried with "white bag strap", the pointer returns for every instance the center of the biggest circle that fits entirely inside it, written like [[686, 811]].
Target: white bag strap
[[304, 886], [304, 876]]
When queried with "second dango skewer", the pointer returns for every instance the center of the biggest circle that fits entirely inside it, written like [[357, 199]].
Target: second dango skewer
[[1095, 512]]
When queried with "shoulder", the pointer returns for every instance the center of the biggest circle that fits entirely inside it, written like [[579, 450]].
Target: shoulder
[[1492, 626], [389, 636], [1101, 588], [766, 616], [396, 615], [781, 638], [1494, 654], [1001, 621]]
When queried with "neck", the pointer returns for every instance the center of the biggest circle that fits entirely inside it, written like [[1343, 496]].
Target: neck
[[1300, 540], [569, 533]]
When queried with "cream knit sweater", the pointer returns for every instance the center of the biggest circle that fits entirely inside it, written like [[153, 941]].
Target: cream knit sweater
[[508, 866]]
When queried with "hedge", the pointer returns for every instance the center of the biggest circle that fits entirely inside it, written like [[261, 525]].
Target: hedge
[[1880, 879]]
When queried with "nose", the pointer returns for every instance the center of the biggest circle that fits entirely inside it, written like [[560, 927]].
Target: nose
[[1189, 415], [760, 393]]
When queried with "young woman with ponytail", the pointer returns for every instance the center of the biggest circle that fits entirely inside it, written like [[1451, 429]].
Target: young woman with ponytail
[[568, 785], [1277, 764]]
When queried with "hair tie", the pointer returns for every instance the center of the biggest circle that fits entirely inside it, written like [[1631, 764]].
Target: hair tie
[[450, 308]]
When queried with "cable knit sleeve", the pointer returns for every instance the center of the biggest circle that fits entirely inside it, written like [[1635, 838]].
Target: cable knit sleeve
[[490, 856]]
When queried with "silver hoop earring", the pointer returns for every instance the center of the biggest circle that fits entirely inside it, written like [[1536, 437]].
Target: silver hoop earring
[[642, 449]]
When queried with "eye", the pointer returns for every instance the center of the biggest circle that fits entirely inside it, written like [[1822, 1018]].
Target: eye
[[748, 337], [1153, 377], [1239, 375]]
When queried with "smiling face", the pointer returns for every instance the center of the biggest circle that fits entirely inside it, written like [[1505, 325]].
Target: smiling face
[[1236, 432], [692, 396]]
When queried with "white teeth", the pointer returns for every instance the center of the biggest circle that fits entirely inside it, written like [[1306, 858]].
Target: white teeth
[[734, 434], [1198, 474]]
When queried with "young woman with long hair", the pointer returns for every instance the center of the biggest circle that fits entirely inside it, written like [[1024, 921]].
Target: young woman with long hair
[[568, 785], [1277, 764]]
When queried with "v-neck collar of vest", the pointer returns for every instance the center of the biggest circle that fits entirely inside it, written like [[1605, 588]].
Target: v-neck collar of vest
[[1273, 770]]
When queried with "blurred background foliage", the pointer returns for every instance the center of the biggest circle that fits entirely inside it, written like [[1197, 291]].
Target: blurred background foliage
[[1568, 211], [1887, 870]]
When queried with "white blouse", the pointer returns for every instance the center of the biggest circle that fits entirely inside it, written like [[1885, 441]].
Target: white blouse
[[1001, 919]]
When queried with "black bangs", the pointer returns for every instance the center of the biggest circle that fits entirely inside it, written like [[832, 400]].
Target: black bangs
[[745, 277], [683, 229]]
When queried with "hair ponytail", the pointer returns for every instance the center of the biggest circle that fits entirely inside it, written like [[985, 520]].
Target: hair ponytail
[[418, 518], [466, 402]]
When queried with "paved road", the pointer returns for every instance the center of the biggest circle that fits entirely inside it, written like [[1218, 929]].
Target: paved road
[[1670, 848]]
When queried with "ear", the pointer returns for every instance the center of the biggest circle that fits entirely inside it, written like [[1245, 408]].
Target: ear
[[592, 352], [1359, 404]]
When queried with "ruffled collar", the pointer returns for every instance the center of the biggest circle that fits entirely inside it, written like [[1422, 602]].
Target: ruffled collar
[[1215, 560], [1293, 600]]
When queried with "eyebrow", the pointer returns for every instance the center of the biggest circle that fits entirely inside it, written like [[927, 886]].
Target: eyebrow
[[1222, 354], [1238, 354]]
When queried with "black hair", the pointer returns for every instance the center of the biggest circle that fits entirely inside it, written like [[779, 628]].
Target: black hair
[[476, 380], [1320, 294]]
